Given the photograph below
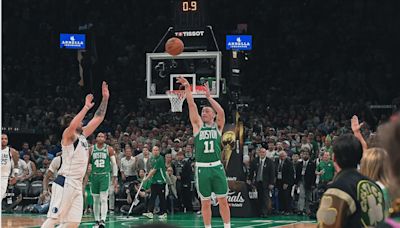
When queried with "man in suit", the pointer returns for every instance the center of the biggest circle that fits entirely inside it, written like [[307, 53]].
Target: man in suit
[[262, 170], [305, 181], [284, 181]]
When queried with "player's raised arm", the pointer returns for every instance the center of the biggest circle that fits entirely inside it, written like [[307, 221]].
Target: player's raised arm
[[69, 132], [220, 119], [193, 112], [100, 113]]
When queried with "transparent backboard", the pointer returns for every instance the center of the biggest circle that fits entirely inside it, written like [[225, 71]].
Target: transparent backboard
[[198, 67]]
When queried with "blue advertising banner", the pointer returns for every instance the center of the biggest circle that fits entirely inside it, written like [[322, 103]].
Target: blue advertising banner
[[239, 42], [72, 41]]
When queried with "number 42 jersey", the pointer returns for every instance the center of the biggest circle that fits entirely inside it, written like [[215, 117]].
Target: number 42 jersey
[[100, 160]]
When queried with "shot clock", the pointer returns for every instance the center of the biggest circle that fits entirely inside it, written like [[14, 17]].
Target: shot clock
[[189, 14]]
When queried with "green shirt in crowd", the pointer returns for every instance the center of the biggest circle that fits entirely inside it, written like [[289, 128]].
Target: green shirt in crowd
[[158, 164], [329, 170]]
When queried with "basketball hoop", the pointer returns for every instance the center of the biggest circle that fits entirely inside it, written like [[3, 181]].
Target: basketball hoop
[[176, 97]]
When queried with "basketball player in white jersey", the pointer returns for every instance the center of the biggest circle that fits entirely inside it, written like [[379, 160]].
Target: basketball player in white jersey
[[7, 153], [66, 205]]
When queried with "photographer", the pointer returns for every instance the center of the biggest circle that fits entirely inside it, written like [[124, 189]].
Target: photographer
[[142, 197]]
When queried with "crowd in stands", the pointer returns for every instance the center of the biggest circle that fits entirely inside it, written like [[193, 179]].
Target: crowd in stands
[[313, 86]]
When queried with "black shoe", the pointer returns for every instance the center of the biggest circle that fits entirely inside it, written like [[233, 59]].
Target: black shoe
[[102, 224], [97, 224]]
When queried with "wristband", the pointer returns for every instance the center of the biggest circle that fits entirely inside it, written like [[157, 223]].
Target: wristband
[[87, 108]]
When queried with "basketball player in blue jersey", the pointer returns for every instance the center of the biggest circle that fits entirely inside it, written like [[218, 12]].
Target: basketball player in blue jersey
[[66, 205]]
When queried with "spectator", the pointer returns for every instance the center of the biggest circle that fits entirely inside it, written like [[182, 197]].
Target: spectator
[[352, 200], [128, 166], [171, 193], [168, 161], [305, 181], [142, 197], [144, 160], [43, 202], [31, 167], [373, 166], [325, 170], [388, 135], [262, 174], [284, 181], [22, 170]]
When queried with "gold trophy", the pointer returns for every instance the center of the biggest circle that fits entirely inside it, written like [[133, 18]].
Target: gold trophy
[[228, 140]]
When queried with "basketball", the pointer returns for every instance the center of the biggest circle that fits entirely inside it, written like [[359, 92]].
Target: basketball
[[174, 46]]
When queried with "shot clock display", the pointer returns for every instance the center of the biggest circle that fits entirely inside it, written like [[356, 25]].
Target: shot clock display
[[189, 14]]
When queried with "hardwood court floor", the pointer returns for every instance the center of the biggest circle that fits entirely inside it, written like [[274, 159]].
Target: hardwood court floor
[[180, 219]]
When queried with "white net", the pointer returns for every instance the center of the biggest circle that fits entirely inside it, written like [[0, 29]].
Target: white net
[[176, 97]]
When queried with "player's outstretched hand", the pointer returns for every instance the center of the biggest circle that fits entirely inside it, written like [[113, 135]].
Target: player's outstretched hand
[[104, 90], [182, 80], [89, 101], [355, 124]]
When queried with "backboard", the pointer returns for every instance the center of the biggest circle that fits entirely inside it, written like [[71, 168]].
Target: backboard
[[162, 70]]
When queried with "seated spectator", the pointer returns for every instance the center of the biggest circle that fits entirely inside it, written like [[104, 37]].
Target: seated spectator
[[31, 166], [22, 170], [43, 202], [142, 198], [13, 196], [352, 200]]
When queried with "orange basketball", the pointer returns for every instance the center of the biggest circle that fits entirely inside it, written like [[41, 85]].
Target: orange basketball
[[174, 46]]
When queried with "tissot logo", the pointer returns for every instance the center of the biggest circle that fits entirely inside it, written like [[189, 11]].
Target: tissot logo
[[189, 33]]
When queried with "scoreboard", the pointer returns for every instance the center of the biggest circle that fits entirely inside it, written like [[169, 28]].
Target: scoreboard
[[189, 14]]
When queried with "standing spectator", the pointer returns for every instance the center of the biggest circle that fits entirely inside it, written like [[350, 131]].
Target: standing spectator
[[305, 181], [178, 165], [158, 180], [187, 177], [171, 193], [144, 160], [271, 151], [372, 165], [262, 170], [352, 200], [128, 166], [325, 170], [284, 181], [168, 161]]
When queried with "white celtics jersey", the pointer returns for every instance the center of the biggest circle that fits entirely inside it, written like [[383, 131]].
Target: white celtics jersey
[[5, 162], [75, 160]]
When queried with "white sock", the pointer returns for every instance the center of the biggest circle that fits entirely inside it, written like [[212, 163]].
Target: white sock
[[227, 225], [104, 205], [96, 206], [207, 226]]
